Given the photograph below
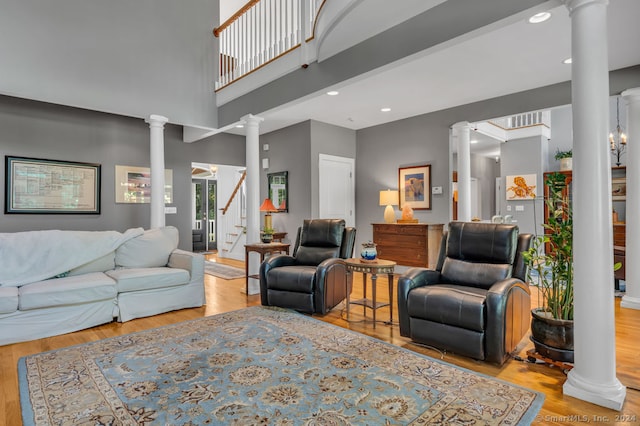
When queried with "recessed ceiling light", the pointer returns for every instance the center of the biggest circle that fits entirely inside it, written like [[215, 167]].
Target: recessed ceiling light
[[385, 109], [567, 61], [240, 126], [473, 141], [333, 93], [539, 17]]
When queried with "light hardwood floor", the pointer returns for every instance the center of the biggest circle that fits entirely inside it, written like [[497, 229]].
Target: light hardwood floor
[[227, 295]]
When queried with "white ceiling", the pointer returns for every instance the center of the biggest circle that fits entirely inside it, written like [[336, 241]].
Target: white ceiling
[[509, 57]]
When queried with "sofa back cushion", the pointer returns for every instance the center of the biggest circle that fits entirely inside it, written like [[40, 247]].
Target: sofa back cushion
[[149, 250], [102, 264]]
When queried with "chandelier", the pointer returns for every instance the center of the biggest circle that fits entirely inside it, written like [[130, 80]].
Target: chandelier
[[617, 139]]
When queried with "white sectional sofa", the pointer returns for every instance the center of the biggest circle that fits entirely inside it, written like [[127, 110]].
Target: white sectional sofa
[[54, 282]]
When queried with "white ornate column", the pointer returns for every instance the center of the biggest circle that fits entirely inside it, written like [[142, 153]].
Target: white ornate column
[[631, 299], [156, 130], [252, 127], [463, 131], [593, 377]]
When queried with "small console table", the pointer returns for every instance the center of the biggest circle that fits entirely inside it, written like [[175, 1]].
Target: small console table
[[379, 266], [262, 248]]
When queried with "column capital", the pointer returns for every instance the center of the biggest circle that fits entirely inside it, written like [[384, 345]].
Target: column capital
[[461, 125], [572, 5], [631, 94], [156, 120], [251, 119]]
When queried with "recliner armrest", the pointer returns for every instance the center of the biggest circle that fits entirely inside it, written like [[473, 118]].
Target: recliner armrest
[[326, 265], [413, 278], [332, 284], [274, 261], [510, 296]]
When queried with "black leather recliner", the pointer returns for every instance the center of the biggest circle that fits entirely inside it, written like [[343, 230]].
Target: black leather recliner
[[314, 279], [476, 302]]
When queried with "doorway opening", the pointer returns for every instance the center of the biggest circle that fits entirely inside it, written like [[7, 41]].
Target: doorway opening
[[204, 207]]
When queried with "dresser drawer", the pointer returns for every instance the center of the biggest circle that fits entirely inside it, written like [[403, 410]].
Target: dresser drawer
[[400, 229], [408, 241], [404, 256]]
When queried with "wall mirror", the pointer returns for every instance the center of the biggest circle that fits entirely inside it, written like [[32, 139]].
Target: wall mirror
[[279, 190]]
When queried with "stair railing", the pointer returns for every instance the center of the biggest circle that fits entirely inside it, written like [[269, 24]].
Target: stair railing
[[260, 32]]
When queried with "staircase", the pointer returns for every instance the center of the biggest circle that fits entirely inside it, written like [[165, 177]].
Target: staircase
[[233, 218]]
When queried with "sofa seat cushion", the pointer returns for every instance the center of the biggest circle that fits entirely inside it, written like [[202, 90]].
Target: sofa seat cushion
[[456, 306], [136, 279], [297, 278], [78, 289], [8, 300]]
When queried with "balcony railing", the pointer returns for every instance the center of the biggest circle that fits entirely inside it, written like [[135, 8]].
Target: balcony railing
[[260, 32]]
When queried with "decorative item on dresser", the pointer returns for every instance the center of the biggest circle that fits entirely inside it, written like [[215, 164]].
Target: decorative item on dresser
[[409, 244]]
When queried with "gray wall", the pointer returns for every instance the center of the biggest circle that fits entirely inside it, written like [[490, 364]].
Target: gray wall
[[331, 140], [381, 150], [132, 58], [523, 157], [486, 170], [424, 139], [561, 134], [296, 149], [42, 130], [289, 150]]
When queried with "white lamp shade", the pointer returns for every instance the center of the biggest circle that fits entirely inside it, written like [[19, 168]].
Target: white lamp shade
[[388, 198]]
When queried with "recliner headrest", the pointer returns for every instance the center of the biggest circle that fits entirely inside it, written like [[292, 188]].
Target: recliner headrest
[[482, 242], [322, 232]]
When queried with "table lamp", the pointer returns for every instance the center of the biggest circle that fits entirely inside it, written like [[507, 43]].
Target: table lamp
[[268, 207], [389, 198]]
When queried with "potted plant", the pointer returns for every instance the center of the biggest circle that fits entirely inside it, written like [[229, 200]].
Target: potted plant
[[267, 235], [550, 269], [565, 158]]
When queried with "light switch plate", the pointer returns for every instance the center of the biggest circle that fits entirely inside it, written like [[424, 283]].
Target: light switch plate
[[265, 147], [508, 208], [436, 190], [170, 210], [519, 208]]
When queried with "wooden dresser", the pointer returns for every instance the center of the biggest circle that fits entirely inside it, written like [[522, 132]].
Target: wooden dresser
[[408, 244]]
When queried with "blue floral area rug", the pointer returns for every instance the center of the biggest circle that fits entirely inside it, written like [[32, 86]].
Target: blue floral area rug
[[259, 366]]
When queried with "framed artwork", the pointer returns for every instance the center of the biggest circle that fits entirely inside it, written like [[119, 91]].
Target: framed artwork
[[34, 185], [521, 187], [133, 185], [618, 189], [279, 190], [414, 184]]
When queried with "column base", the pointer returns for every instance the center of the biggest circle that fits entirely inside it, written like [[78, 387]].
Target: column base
[[630, 302], [605, 396]]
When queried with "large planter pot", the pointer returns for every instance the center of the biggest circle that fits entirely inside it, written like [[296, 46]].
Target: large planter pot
[[553, 338]]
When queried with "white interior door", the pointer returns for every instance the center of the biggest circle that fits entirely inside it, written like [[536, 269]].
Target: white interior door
[[337, 188]]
